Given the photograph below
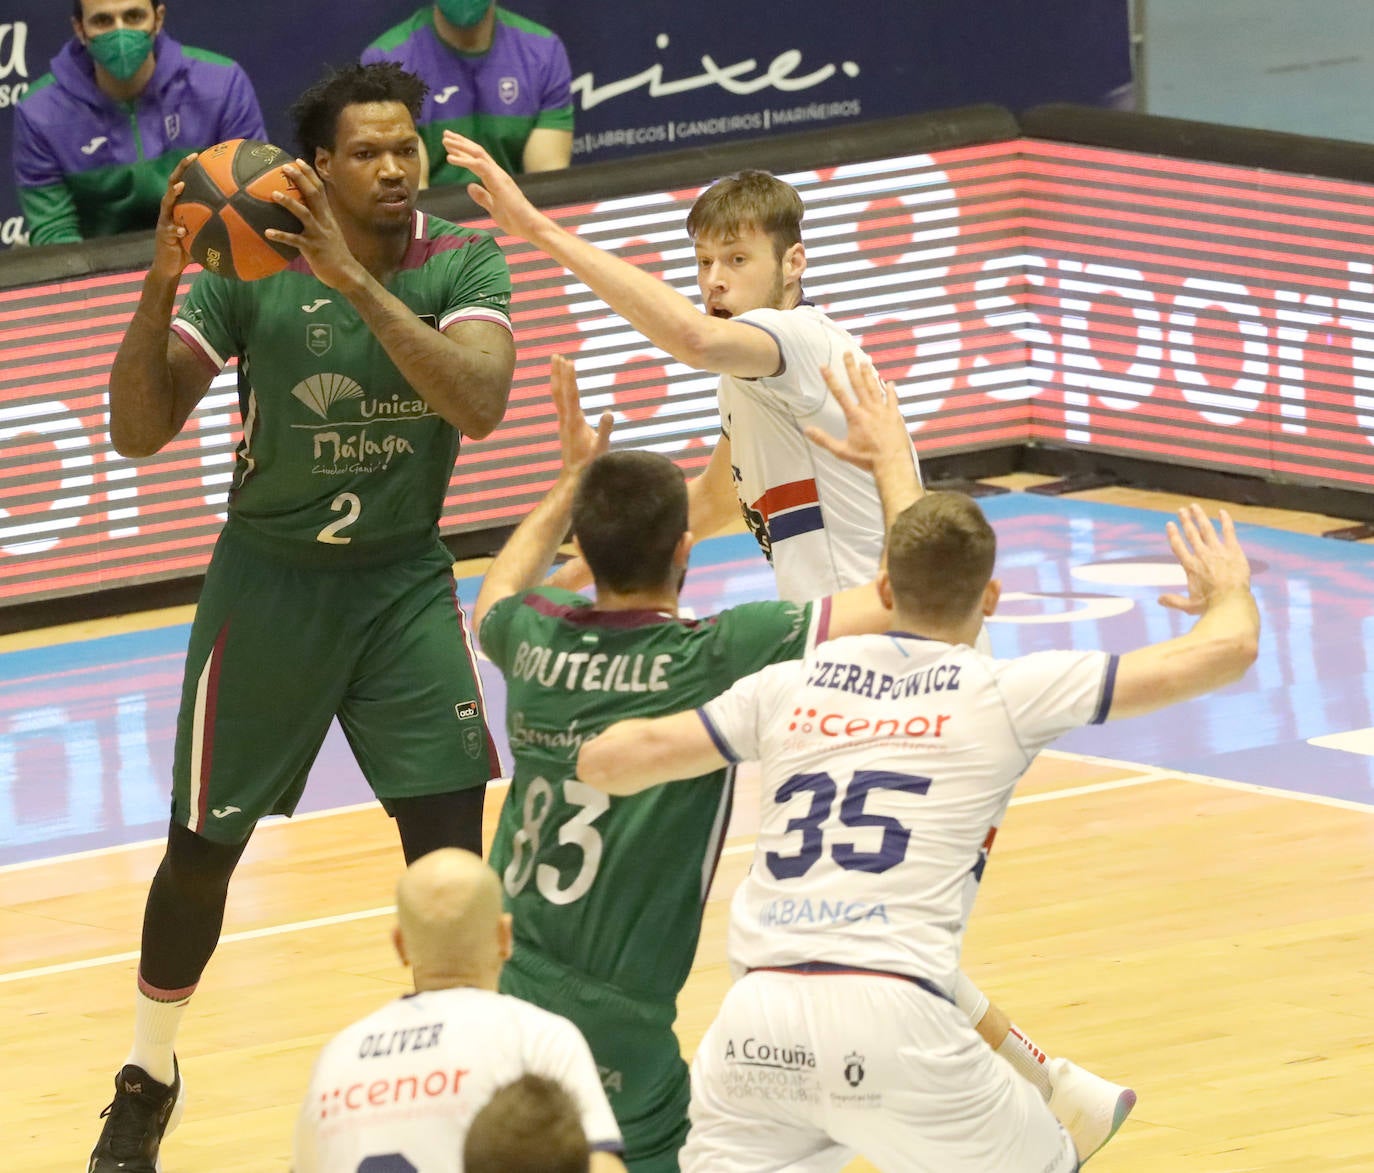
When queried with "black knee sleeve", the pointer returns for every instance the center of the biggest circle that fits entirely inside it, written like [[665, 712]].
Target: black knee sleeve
[[185, 909], [440, 820]]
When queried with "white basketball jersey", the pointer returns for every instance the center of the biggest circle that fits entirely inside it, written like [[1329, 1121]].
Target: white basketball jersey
[[819, 518], [888, 762], [409, 1079]]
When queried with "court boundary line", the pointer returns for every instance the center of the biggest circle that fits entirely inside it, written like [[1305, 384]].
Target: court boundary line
[[276, 821], [1156, 773], [228, 939], [1348, 804], [1142, 777], [365, 914]]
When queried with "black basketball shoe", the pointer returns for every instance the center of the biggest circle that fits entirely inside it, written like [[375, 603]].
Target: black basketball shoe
[[142, 1112]]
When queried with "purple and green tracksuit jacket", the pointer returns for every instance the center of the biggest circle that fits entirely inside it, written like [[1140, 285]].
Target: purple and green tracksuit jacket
[[86, 165], [498, 98]]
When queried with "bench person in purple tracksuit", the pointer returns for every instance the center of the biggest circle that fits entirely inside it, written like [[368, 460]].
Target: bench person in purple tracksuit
[[96, 138], [493, 76]]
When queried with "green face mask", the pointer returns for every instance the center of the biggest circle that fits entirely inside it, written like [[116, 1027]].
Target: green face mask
[[464, 13], [121, 51]]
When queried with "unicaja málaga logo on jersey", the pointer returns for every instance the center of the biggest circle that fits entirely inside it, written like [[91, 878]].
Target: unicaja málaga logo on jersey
[[395, 406], [320, 392]]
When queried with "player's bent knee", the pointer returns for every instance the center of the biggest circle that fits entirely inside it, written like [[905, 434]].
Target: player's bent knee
[[199, 867]]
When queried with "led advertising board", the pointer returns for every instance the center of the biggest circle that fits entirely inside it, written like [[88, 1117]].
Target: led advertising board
[[1023, 291]]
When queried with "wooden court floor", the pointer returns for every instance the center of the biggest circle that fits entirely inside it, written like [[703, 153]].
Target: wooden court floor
[[1210, 943]]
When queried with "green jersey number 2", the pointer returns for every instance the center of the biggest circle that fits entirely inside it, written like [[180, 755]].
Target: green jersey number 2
[[577, 831], [351, 506]]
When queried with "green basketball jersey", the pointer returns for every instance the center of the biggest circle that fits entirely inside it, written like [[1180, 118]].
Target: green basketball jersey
[[614, 887], [341, 460]]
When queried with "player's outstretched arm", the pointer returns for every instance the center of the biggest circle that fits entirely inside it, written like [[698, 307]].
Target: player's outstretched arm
[[877, 438], [712, 503], [573, 575], [652, 307], [1222, 644], [711, 506], [606, 1163], [156, 380], [528, 553], [878, 441], [634, 755]]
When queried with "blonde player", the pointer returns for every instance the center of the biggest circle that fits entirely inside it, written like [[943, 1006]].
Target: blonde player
[[817, 518], [888, 763], [397, 1090]]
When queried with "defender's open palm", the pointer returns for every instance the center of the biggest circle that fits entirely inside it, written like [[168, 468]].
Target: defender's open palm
[[579, 441], [876, 426], [1214, 563], [495, 192]]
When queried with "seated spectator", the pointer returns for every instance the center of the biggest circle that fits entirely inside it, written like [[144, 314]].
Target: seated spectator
[[529, 1126], [96, 138], [409, 1078], [494, 77]]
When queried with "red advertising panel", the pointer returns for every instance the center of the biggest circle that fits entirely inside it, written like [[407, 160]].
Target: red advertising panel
[[1201, 314], [1024, 291]]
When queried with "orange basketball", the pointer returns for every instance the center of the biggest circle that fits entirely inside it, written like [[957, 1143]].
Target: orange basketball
[[227, 205]]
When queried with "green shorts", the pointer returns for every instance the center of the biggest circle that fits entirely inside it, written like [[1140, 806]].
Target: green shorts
[[278, 650], [634, 1046]]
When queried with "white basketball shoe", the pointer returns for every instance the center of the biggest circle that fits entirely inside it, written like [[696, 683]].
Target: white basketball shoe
[[1089, 1107]]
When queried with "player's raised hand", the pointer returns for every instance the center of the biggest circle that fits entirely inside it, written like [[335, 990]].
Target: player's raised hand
[[876, 427], [169, 251], [320, 241], [1214, 563], [495, 192], [579, 441]]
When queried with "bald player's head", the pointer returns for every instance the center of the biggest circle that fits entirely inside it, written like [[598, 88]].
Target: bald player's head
[[449, 925]]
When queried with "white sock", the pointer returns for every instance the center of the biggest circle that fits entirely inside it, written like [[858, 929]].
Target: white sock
[[1028, 1060], [970, 999], [157, 1015]]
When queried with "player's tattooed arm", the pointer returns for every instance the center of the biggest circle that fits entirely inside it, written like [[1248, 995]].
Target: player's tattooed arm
[[464, 373], [156, 380], [528, 553]]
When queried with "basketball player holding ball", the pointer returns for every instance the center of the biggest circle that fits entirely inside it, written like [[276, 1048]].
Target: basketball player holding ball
[[361, 365]]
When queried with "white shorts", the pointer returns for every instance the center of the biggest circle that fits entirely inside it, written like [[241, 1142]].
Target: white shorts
[[801, 1072]]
